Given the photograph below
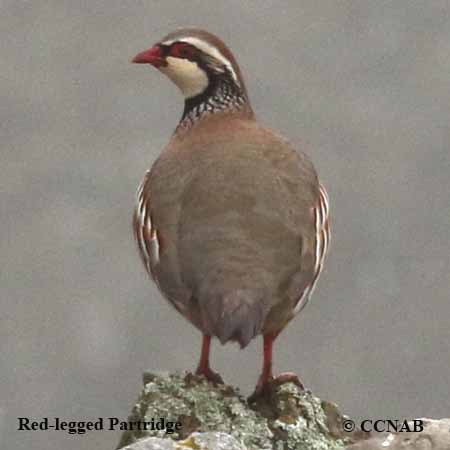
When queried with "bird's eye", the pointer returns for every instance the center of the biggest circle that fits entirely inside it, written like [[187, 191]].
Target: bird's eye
[[181, 50]]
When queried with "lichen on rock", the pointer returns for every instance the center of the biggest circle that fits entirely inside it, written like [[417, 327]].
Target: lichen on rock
[[288, 418]]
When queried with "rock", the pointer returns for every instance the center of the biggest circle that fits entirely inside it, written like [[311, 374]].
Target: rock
[[197, 441], [152, 443], [217, 416], [435, 436]]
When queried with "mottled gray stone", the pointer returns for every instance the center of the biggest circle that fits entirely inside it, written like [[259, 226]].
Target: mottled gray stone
[[435, 436], [212, 441], [197, 441], [152, 443], [217, 416]]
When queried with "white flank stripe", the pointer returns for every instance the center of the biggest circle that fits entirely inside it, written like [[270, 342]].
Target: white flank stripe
[[148, 224], [154, 247], [302, 301], [322, 236], [317, 261], [325, 199], [325, 242], [150, 250], [142, 213], [142, 246]]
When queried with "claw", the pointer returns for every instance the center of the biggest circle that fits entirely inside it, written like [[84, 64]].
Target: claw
[[203, 368], [264, 389], [210, 375]]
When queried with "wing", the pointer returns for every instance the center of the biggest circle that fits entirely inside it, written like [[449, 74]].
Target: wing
[[322, 241]]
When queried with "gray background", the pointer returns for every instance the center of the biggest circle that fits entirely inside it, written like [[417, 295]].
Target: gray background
[[363, 86]]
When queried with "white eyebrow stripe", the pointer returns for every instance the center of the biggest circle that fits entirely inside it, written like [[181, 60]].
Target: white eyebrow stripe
[[209, 50]]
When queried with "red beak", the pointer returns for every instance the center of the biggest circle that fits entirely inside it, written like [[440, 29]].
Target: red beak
[[152, 56]]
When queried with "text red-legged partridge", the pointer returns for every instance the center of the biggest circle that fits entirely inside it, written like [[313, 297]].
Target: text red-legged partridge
[[231, 221]]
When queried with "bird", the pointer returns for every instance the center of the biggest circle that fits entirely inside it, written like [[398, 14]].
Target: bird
[[231, 221]]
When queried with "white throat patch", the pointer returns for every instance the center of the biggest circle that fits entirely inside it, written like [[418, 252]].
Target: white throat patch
[[187, 75]]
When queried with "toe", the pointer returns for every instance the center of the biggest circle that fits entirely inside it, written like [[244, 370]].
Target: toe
[[210, 375]]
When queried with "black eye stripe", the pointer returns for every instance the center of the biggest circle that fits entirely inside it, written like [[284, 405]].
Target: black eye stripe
[[165, 49], [181, 49]]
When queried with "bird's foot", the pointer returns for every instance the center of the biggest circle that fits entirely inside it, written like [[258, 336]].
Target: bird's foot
[[265, 387], [210, 375], [262, 391]]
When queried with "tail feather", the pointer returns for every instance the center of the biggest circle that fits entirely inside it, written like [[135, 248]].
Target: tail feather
[[236, 315]]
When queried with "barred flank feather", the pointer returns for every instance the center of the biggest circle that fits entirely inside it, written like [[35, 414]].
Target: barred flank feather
[[322, 241], [145, 233]]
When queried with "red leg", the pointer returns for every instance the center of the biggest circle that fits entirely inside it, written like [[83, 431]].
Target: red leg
[[266, 378], [203, 365], [266, 375]]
